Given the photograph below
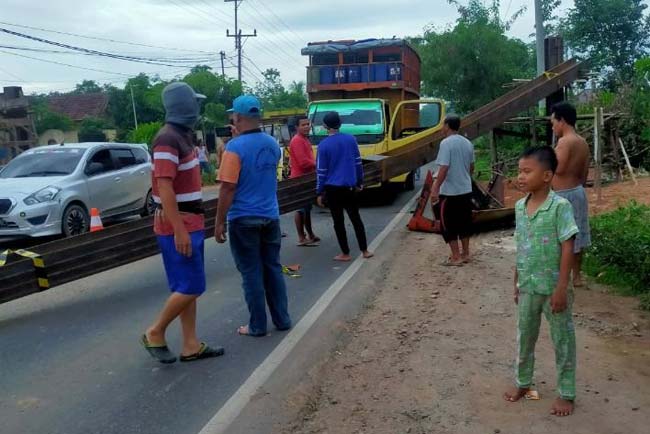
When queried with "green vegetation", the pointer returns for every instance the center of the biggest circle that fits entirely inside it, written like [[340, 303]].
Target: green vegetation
[[144, 133], [45, 119], [92, 130], [620, 252]]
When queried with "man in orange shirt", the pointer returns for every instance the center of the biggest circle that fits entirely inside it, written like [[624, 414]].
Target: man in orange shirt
[[302, 162]]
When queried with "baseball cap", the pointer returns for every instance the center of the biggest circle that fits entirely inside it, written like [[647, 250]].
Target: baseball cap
[[247, 105], [332, 120]]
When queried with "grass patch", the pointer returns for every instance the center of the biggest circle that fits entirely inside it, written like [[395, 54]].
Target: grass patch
[[620, 252]]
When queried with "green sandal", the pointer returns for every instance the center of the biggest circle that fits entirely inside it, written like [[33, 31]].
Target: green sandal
[[158, 352], [205, 352]]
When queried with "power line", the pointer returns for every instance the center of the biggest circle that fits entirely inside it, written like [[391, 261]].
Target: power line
[[203, 14], [278, 18], [238, 36], [63, 64], [151, 61], [103, 39], [11, 74], [278, 32]]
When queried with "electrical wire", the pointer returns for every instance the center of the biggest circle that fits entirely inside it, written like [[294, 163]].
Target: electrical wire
[[102, 39]]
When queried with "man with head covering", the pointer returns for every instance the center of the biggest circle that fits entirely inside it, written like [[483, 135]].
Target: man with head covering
[[179, 225]]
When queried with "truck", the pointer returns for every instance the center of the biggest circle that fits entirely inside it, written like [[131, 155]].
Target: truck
[[374, 85]]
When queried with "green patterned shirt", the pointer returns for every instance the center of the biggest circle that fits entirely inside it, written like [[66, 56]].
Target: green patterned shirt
[[539, 240]]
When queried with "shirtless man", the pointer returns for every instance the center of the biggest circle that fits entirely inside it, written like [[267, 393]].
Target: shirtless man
[[571, 175]]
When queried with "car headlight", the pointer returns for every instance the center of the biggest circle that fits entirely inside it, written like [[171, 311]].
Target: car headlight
[[44, 195]]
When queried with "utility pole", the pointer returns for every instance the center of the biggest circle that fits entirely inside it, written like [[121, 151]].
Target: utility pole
[[238, 35], [539, 40], [135, 116], [223, 69]]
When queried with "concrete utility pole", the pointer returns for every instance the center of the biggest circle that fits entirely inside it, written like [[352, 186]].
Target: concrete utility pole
[[135, 116], [223, 69], [238, 35], [539, 39]]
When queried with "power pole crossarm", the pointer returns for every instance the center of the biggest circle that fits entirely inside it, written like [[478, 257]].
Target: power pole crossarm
[[238, 35]]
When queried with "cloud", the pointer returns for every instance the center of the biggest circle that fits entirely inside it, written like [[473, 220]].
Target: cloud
[[283, 28]]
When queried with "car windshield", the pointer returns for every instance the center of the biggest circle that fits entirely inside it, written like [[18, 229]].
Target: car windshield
[[357, 117], [43, 162]]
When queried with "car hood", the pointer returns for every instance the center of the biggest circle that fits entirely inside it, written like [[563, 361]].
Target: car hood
[[26, 186]]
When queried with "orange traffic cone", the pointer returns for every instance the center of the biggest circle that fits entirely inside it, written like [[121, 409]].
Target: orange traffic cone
[[419, 222], [95, 220]]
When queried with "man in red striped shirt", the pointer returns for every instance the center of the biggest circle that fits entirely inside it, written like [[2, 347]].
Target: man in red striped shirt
[[179, 225], [302, 162]]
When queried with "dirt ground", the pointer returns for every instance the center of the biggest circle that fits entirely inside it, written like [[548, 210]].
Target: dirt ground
[[612, 196], [434, 350]]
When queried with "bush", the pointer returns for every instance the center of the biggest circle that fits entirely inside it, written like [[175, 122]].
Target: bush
[[144, 133], [644, 301], [92, 130], [620, 252]]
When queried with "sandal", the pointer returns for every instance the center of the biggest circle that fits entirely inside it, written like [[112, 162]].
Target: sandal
[[450, 263], [158, 352], [205, 352]]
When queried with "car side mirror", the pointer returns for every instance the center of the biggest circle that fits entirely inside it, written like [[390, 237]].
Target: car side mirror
[[94, 169]]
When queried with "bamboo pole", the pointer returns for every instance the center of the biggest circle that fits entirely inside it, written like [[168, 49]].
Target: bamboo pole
[[627, 162]]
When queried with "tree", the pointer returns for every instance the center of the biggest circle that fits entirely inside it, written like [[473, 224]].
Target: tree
[[468, 64], [92, 130], [87, 86], [275, 96], [612, 34], [214, 115], [46, 119]]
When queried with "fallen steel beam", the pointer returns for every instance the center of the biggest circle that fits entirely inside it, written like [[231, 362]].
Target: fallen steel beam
[[82, 256]]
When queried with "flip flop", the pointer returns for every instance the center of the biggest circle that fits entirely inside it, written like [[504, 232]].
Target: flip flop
[[158, 352], [450, 263], [307, 243], [205, 352]]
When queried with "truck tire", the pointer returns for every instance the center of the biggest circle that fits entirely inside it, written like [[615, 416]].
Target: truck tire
[[409, 183]]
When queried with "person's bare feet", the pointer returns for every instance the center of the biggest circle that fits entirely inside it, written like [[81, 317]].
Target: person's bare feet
[[342, 257], [154, 337], [368, 254], [465, 258], [562, 407], [514, 394], [578, 282]]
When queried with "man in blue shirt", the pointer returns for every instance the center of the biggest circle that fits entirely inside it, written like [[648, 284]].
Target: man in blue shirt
[[248, 200], [339, 179]]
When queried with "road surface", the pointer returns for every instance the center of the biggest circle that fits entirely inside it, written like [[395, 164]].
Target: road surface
[[71, 362]]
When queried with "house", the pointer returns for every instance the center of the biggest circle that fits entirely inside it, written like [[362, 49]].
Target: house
[[17, 131], [77, 107]]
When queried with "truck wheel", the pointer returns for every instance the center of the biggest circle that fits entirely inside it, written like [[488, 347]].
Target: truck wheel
[[75, 220], [409, 183]]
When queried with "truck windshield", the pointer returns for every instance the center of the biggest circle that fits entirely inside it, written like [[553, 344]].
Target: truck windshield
[[357, 117]]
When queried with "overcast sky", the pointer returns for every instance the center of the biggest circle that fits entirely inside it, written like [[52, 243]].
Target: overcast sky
[[196, 29]]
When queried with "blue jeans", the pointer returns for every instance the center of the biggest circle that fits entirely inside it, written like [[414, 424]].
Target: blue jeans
[[255, 247]]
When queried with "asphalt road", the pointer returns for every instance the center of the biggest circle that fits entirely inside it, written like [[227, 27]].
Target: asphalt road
[[70, 360]]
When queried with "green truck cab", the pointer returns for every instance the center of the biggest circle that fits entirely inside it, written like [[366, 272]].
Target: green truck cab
[[374, 86]]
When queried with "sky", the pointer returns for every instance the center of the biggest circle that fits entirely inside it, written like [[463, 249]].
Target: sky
[[179, 33]]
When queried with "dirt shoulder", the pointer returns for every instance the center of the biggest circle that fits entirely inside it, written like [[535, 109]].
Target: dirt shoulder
[[434, 351]]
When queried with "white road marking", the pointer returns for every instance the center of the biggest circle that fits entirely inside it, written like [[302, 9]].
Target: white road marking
[[231, 409]]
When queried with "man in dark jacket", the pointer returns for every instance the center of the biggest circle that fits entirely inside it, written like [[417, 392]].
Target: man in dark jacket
[[340, 179]]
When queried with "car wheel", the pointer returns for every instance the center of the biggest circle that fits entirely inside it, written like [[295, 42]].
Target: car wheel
[[409, 183], [76, 220], [149, 205]]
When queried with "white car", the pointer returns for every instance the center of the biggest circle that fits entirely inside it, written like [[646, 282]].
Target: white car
[[50, 190]]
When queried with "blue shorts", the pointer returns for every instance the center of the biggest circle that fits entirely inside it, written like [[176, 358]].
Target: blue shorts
[[184, 275]]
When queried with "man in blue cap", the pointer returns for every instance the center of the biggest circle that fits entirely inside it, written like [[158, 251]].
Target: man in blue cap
[[248, 202]]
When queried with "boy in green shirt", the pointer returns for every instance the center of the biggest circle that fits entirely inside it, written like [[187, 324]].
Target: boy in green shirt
[[544, 236]]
